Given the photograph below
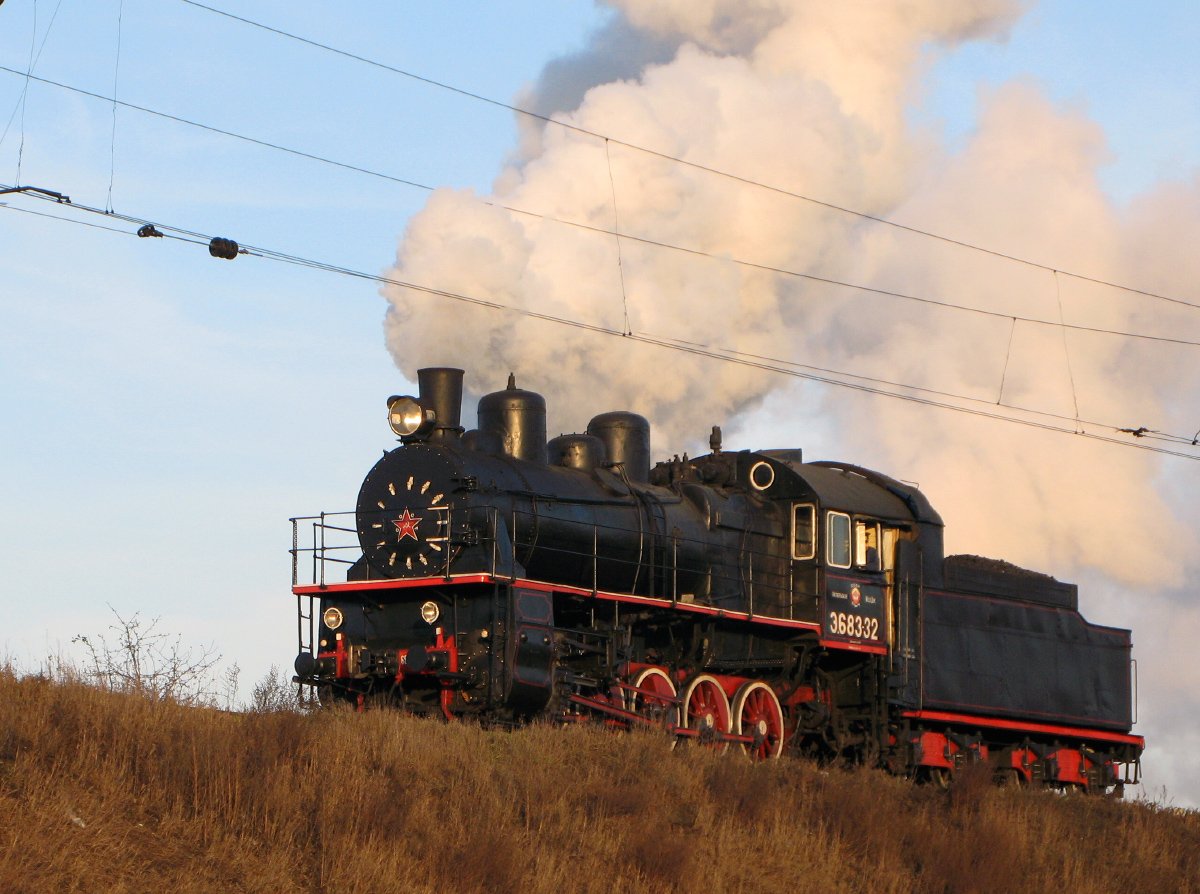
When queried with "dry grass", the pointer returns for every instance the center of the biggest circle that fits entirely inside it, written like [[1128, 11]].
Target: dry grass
[[103, 792]]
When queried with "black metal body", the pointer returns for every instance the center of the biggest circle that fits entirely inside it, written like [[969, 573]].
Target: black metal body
[[555, 576]]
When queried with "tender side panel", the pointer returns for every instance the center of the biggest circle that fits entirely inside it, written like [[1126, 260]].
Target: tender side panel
[[1014, 659]]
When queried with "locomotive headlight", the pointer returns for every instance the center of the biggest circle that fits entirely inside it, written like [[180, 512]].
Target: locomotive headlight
[[430, 612], [333, 617], [406, 416]]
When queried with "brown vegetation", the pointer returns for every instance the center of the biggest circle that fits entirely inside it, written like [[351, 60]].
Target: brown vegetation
[[112, 792]]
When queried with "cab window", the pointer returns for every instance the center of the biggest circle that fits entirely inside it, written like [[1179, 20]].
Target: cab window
[[838, 529], [866, 544], [804, 532]]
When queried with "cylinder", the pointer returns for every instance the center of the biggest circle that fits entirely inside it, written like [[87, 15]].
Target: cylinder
[[441, 388], [519, 418], [626, 439], [583, 452]]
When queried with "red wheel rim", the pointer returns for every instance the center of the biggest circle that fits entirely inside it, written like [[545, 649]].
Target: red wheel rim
[[706, 708], [657, 701], [757, 713]]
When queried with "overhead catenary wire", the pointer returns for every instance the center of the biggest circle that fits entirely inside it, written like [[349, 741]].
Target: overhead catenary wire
[[112, 150], [1066, 348], [769, 268], [1060, 324], [617, 238], [266, 144], [921, 396], [1007, 356], [749, 181], [70, 220], [1153, 435], [25, 91], [32, 65]]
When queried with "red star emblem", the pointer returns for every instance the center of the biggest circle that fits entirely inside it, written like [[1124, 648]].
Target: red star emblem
[[406, 525]]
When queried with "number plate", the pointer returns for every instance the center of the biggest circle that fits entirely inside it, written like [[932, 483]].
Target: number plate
[[855, 612]]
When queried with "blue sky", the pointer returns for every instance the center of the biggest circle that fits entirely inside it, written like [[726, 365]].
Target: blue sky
[[1130, 67], [167, 412]]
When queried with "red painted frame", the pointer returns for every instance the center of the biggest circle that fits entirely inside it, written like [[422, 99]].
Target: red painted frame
[[1074, 732], [607, 596]]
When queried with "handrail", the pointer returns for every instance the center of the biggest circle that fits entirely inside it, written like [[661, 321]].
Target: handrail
[[729, 570], [1133, 663]]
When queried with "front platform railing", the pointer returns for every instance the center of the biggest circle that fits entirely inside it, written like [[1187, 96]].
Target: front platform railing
[[326, 546], [323, 548]]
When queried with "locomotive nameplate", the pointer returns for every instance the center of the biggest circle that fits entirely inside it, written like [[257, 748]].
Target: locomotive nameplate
[[854, 612]]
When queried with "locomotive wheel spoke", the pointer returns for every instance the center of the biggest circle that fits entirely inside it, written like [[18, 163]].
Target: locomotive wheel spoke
[[757, 712], [658, 700], [706, 710]]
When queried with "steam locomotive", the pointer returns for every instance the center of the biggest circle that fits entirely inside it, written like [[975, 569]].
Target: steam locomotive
[[744, 600]]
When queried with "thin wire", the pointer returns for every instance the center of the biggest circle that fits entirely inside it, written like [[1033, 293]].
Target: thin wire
[[825, 280], [786, 368], [225, 133], [1179, 439], [85, 223], [685, 162], [18, 106], [616, 235], [927, 401], [601, 230], [112, 155], [1066, 350], [1007, 354], [200, 238], [25, 91]]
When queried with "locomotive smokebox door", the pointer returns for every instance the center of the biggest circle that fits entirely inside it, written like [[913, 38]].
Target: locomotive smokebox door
[[530, 652]]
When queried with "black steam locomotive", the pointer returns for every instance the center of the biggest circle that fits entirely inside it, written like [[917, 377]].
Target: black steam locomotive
[[743, 599]]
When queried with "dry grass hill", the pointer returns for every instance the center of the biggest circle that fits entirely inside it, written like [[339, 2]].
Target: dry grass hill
[[110, 792]]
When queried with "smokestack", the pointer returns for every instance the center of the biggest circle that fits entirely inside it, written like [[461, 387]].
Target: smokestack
[[441, 388]]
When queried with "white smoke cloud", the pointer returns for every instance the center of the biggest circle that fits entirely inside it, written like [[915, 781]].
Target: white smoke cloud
[[815, 98]]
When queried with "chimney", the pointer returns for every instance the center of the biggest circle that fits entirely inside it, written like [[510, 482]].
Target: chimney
[[441, 389]]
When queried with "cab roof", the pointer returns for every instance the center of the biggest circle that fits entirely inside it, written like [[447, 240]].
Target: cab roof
[[857, 490]]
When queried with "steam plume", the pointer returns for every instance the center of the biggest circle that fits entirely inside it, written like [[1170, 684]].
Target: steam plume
[[814, 98]]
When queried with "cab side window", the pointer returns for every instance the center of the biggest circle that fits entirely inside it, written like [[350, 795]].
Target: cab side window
[[838, 539], [804, 531], [866, 545]]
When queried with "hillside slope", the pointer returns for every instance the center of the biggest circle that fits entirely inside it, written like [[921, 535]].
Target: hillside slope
[[101, 792]]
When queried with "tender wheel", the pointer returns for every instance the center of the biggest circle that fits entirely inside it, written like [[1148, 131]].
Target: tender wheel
[[757, 712], [706, 709], [938, 777], [1009, 777], [661, 706]]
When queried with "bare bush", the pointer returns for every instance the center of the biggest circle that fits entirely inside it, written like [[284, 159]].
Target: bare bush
[[229, 687], [144, 661], [274, 692]]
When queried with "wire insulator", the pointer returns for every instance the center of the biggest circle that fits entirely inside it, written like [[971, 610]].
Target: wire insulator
[[148, 229], [223, 248]]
